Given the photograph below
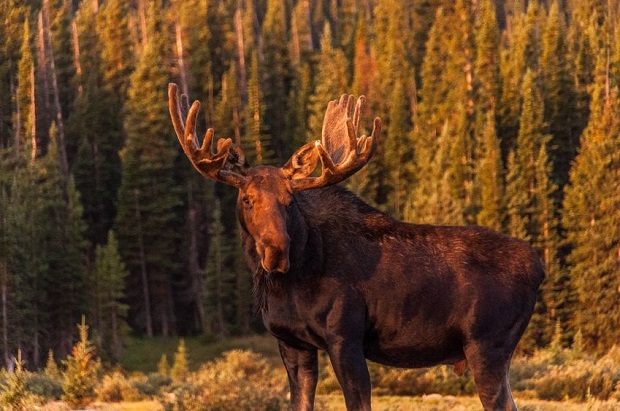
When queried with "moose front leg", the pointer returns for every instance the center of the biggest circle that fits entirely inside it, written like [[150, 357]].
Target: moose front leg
[[350, 367], [303, 371]]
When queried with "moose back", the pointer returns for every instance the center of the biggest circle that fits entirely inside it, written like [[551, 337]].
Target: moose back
[[332, 273]]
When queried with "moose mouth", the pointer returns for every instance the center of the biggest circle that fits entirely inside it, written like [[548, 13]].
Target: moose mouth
[[273, 259]]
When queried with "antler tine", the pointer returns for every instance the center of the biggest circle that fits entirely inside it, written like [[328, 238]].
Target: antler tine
[[207, 162], [352, 155]]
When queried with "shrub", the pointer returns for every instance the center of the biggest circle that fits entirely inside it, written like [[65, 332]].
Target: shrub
[[152, 385], [14, 395], [580, 379], [116, 387], [43, 385], [241, 380]]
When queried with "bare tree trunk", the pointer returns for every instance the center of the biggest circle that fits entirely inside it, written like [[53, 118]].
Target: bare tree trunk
[[180, 59], [5, 320], [76, 56], [18, 120], [243, 89], [33, 118], [144, 274], [193, 255], [42, 74], [49, 53], [143, 25]]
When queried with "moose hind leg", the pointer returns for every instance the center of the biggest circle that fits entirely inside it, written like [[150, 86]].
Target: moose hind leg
[[303, 371], [490, 371]]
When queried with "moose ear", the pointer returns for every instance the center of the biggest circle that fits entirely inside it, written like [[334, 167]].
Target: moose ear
[[302, 163]]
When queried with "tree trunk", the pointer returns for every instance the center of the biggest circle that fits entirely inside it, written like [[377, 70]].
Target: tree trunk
[[43, 90], [76, 56], [143, 272], [180, 59], [241, 53], [49, 53], [4, 271]]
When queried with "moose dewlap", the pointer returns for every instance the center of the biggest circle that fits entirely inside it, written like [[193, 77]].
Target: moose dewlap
[[332, 273]]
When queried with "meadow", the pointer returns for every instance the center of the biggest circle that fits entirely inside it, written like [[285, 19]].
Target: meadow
[[167, 374]]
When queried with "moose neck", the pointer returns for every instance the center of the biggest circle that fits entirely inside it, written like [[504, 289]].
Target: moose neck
[[315, 217]]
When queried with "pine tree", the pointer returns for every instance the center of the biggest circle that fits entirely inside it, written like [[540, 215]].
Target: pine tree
[[219, 278], [117, 47], [180, 365], [330, 83], [521, 54], [444, 135], [82, 371], [489, 177], [13, 14], [276, 72], [51, 368], [532, 211], [149, 197], [163, 367], [95, 129], [486, 66], [108, 286], [25, 95], [559, 95], [62, 45], [256, 141], [591, 219], [398, 157]]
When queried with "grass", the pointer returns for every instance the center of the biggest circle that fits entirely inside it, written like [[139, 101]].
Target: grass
[[143, 353], [436, 402]]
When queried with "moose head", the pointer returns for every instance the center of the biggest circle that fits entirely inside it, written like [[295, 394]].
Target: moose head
[[266, 192]]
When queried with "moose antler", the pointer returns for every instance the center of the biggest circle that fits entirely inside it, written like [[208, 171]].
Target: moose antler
[[227, 164], [340, 151]]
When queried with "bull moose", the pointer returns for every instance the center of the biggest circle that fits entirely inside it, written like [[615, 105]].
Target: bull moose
[[332, 273]]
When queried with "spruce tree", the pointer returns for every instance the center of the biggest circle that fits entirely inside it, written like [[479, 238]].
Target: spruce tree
[[180, 365], [62, 45], [116, 46], [559, 95], [486, 69], [82, 371], [521, 54], [330, 83], [149, 196], [367, 181], [489, 177], [532, 209], [445, 117], [219, 278], [24, 123], [256, 140], [276, 72], [592, 221], [108, 287], [96, 130]]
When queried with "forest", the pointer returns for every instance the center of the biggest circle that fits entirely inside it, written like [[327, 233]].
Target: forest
[[501, 113]]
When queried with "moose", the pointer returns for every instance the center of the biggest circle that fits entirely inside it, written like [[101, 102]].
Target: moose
[[332, 273]]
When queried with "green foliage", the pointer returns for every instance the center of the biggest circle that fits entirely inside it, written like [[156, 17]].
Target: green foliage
[[163, 367], [82, 371], [180, 366], [109, 312], [115, 387], [240, 380], [14, 395], [592, 221]]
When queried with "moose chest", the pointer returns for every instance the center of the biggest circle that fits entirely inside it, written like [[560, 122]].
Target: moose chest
[[311, 313]]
